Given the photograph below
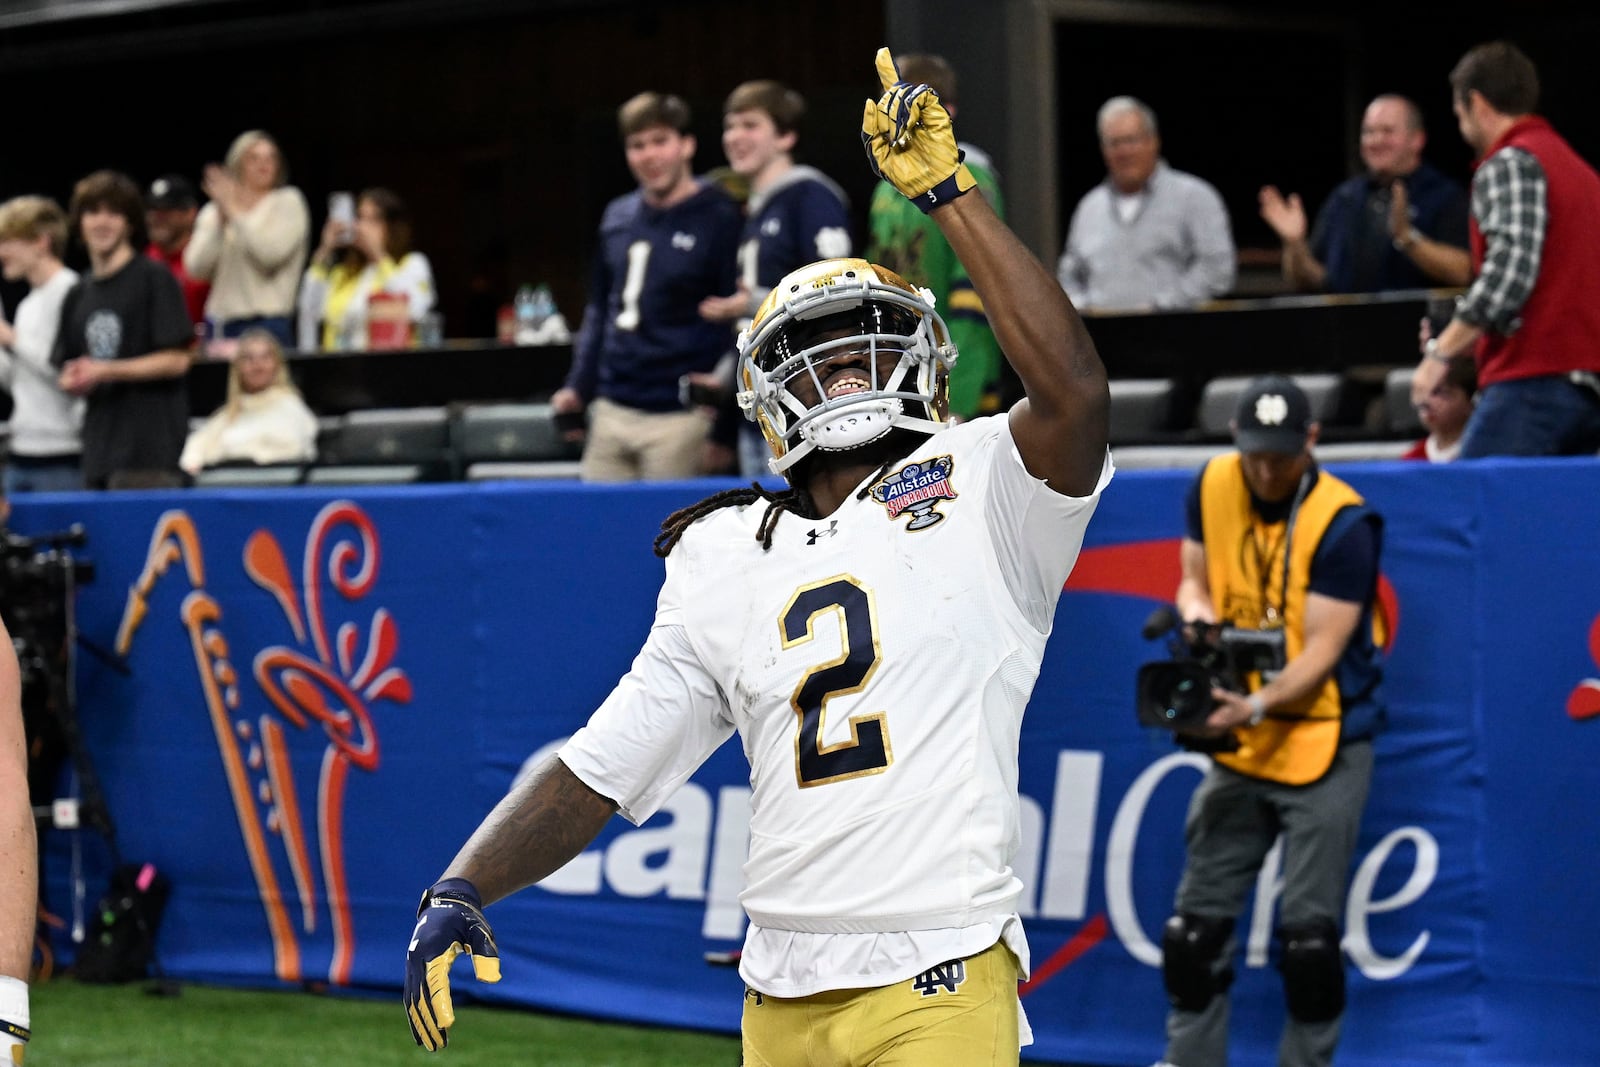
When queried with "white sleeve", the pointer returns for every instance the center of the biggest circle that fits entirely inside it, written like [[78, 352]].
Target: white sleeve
[[199, 450], [274, 230], [1036, 531], [313, 299], [205, 244], [661, 722]]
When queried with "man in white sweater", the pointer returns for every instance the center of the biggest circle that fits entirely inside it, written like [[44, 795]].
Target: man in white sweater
[[46, 423], [1148, 237]]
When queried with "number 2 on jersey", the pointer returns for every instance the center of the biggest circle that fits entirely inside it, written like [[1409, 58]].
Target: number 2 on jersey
[[868, 750]]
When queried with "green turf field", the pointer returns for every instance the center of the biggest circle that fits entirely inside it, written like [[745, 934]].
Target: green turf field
[[77, 1025], [124, 1026]]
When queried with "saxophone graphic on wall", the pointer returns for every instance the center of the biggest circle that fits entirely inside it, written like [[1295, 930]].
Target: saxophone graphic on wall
[[326, 682]]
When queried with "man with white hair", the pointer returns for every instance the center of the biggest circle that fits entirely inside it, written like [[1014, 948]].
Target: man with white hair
[[1149, 236]]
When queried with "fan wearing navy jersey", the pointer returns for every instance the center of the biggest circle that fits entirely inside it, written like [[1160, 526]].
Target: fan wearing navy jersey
[[664, 248], [874, 657], [795, 215]]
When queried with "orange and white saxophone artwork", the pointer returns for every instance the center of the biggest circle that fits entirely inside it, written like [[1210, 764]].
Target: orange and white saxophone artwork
[[326, 682]]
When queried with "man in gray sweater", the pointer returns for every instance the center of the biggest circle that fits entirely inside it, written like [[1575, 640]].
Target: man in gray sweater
[[1148, 237]]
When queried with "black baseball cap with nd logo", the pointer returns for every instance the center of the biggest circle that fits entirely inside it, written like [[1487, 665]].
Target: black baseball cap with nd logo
[[170, 191], [1273, 416]]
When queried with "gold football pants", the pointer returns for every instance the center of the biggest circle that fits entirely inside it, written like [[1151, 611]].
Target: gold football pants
[[959, 1014]]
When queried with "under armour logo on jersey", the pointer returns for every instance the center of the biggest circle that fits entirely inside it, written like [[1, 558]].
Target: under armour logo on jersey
[[916, 488], [683, 242], [771, 228], [1271, 409], [941, 979], [814, 535]]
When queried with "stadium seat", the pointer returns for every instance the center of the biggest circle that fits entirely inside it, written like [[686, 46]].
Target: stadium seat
[[328, 428], [1399, 417], [497, 441], [1141, 409], [250, 475], [368, 474], [387, 445], [1220, 397], [1166, 457], [1360, 451]]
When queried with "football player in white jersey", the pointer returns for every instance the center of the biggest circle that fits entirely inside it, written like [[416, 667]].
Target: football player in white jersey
[[872, 634]]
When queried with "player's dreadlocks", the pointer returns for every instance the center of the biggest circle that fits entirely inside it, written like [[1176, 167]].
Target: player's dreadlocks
[[795, 500]]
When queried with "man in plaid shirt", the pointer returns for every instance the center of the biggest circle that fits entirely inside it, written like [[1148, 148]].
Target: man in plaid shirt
[[1530, 315]]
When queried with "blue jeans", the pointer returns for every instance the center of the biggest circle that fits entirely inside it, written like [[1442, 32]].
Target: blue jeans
[[1545, 416], [64, 475]]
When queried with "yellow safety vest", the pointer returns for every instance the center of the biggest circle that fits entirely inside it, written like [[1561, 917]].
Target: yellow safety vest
[[1295, 744]]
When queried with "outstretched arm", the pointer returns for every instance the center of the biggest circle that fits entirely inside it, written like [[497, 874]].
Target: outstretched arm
[[532, 832], [540, 825], [1061, 427]]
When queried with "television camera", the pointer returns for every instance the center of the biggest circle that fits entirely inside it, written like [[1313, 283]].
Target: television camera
[[39, 576], [1175, 693]]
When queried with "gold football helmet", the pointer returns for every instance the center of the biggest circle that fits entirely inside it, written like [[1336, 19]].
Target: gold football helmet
[[840, 353]]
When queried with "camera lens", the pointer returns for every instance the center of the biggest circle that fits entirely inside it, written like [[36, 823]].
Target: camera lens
[[1188, 701]]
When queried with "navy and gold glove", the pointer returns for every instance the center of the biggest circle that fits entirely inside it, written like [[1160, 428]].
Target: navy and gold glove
[[449, 922], [13, 1041], [910, 142]]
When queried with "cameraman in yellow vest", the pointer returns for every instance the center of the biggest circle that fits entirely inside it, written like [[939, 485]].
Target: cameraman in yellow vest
[[1273, 541]]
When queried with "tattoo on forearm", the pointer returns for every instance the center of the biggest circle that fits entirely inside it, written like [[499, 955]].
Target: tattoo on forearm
[[539, 826]]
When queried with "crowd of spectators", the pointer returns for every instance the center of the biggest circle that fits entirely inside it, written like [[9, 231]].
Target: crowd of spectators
[[96, 365]]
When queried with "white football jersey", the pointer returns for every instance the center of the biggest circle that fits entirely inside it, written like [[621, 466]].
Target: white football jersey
[[876, 664]]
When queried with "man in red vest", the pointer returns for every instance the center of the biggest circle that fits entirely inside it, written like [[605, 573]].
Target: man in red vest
[[1530, 316]]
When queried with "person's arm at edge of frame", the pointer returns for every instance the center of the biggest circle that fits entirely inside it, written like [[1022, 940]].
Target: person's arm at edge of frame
[[19, 854], [1061, 426]]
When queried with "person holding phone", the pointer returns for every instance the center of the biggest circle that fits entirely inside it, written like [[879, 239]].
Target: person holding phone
[[365, 251], [250, 241]]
